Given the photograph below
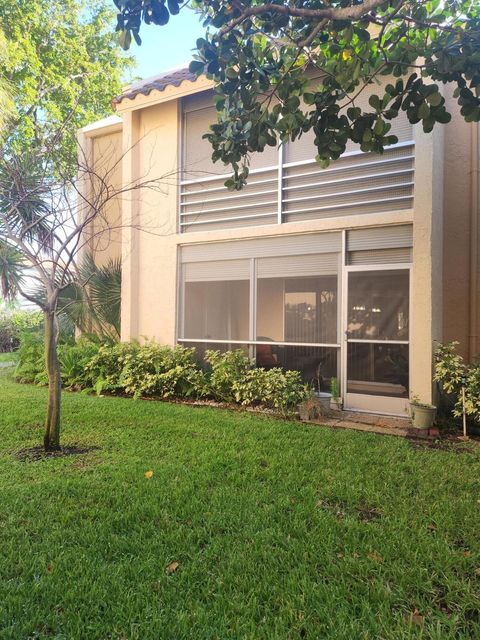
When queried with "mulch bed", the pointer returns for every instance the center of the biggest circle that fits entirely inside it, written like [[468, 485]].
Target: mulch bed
[[447, 443], [37, 453]]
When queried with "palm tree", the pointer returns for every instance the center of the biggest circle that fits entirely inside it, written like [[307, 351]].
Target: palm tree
[[11, 271], [37, 217], [95, 307]]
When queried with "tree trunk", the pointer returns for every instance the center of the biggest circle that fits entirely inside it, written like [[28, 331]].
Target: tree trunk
[[51, 439]]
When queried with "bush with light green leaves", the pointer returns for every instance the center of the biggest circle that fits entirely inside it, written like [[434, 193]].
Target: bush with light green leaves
[[453, 373]]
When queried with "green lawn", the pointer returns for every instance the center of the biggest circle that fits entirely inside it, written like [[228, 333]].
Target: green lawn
[[280, 530], [8, 357]]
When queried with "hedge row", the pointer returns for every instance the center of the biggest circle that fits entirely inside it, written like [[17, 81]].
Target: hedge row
[[164, 372]]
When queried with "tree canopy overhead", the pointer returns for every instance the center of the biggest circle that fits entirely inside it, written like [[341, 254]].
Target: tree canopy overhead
[[63, 65], [257, 53]]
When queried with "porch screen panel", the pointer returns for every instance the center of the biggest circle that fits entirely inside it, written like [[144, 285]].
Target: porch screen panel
[[297, 299], [378, 369], [217, 310], [216, 300], [378, 305]]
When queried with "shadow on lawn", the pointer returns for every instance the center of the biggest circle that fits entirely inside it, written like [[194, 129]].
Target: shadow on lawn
[[38, 453]]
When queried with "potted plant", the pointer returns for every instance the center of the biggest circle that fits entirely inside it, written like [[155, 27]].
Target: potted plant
[[422, 414], [323, 396], [336, 401]]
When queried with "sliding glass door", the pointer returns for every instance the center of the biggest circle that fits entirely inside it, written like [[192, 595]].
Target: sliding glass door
[[296, 322], [376, 358], [283, 311]]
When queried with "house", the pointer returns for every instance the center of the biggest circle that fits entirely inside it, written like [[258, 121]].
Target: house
[[352, 272]]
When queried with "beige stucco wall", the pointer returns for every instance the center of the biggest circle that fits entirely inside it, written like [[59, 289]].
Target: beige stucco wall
[[460, 237], [107, 238], [100, 174], [149, 249], [150, 242]]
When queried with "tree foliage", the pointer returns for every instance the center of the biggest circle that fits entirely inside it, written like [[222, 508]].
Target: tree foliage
[[64, 64], [263, 57], [7, 105]]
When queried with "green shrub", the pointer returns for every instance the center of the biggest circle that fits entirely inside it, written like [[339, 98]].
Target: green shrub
[[228, 371], [235, 378], [13, 324], [8, 334], [31, 358], [105, 368], [150, 370], [163, 372], [453, 373], [74, 360], [274, 389]]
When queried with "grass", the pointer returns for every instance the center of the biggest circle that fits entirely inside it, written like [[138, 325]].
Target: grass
[[8, 357], [280, 530]]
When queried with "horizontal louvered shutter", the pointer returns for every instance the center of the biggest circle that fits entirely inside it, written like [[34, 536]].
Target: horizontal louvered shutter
[[217, 270], [264, 247], [199, 114], [380, 238], [298, 266], [380, 256], [304, 147], [197, 152]]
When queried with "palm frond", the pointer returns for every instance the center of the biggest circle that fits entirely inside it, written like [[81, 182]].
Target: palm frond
[[11, 271], [106, 293], [25, 196], [93, 300]]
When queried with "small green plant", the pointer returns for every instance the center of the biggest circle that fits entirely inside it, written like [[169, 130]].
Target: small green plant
[[415, 400], [334, 389]]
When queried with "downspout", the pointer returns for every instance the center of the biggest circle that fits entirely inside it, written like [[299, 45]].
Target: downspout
[[475, 189]]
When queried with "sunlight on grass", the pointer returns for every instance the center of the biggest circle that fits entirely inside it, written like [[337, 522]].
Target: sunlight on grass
[[201, 523]]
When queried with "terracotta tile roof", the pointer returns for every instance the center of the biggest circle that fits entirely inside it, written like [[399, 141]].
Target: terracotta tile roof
[[155, 83]]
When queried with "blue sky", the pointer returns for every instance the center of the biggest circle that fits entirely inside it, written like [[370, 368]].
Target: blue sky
[[166, 47]]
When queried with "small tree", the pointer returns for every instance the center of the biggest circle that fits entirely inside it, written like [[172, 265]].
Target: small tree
[[49, 225]]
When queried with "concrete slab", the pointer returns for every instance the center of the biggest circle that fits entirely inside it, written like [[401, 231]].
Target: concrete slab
[[385, 425]]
